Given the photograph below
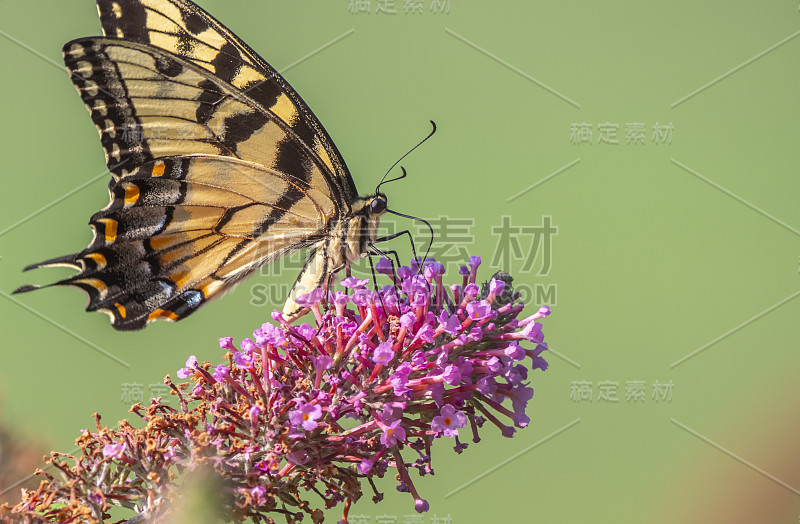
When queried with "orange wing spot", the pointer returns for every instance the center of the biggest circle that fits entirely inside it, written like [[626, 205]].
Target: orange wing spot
[[162, 313], [110, 229], [158, 169], [180, 279], [168, 257], [97, 284], [159, 243], [131, 194], [98, 259], [121, 309]]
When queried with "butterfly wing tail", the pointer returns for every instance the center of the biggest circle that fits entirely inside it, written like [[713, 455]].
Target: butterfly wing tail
[[70, 261], [88, 264], [124, 307]]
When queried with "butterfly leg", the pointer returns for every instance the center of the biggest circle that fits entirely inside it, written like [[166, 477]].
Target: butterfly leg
[[329, 282], [385, 254], [406, 232], [396, 235], [411, 241], [349, 273], [413, 249], [375, 281], [326, 284]]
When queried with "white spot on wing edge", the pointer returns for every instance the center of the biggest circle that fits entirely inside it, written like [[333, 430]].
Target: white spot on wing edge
[[90, 87], [100, 107], [115, 152], [107, 312], [84, 69], [75, 50], [110, 128]]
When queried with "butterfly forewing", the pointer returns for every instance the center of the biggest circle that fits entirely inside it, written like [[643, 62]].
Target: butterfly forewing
[[185, 30], [149, 104]]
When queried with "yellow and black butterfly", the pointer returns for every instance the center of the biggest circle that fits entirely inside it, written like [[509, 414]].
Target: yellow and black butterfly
[[218, 168]]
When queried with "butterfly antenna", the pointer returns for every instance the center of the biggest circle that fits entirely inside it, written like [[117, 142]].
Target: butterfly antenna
[[383, 180]]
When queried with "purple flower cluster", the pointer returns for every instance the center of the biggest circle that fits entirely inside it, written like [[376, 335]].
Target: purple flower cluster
[[368, 388]]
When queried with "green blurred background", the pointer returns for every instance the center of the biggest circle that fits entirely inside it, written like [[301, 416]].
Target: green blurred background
[[665, 247]]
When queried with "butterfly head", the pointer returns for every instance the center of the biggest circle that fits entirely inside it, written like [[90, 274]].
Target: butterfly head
[[376, 205], [370, 207]]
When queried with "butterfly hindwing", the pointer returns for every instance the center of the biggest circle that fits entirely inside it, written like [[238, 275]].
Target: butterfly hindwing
[[183, 29], [182, 230]]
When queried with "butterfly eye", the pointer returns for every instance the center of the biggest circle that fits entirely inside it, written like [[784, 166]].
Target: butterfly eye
[[378, 205]]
